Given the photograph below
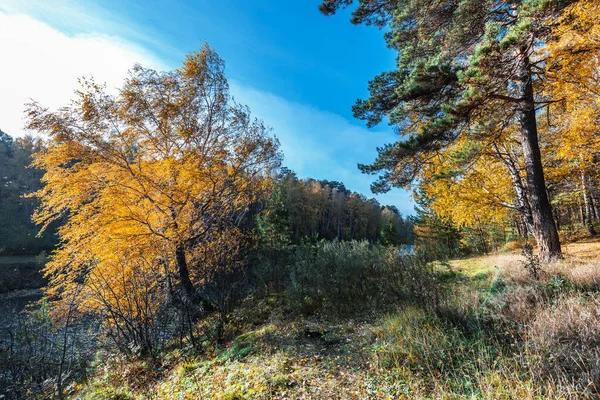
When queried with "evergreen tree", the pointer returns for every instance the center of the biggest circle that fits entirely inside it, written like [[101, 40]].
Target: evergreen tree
[[465, 68], [438, 237], [18, 234]]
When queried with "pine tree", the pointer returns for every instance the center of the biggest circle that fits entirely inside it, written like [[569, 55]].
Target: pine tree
[[465, 68]]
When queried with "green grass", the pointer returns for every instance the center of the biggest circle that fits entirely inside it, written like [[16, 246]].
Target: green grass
[[477, 266], [408, 354], [478, 273], [476, 344]]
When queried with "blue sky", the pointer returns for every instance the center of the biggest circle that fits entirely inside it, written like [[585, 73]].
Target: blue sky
[[296, 69]]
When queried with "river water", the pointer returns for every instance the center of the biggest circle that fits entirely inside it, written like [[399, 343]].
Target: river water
[[14, 302]]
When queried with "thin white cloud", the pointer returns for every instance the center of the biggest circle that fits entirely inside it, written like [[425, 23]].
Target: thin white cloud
[[320, 144], [75, 16], [44, 64]]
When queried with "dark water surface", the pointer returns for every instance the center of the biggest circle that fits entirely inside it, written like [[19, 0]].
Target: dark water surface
[[20, 301], [15, 302]]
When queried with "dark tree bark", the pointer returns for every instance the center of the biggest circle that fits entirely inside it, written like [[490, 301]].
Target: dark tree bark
[[543, 222], [184, 273], [197, 303]]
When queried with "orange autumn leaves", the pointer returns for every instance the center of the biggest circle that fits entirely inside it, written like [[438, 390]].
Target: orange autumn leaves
[[568, 83], [170, 161]]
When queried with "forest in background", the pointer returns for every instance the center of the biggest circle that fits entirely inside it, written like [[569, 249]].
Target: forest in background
[[18, 233], [307, 209], [187, 261]]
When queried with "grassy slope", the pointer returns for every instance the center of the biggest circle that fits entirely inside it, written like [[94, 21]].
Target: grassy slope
[[499, 336], [575, 253]]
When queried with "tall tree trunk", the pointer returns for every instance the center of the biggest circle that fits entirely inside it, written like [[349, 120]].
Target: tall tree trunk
[[197, 302], [543, 222], [184, 273], [592, 189], [588, 205], [557, 217]]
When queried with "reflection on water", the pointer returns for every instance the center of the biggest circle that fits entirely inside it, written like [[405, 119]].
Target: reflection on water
[[14, 303], [407, 249], [18, 303]]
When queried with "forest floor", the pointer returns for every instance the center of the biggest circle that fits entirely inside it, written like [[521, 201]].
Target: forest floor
[[495, 334], [482, 271]]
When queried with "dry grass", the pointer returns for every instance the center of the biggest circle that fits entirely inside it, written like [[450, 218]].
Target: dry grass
[[563, 340], [571, 321], [513, 246], [497, 334], [581, 265], [555, 321]]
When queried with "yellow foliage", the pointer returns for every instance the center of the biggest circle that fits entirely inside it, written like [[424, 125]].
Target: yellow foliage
[[573, 72], [468, 193], [480, 189], [169, 164]]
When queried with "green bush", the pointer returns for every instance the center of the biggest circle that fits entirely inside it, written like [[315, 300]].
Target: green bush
[[345, 277]]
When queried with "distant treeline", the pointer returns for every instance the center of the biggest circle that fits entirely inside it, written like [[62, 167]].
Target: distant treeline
[[18, 234], [301, 209]]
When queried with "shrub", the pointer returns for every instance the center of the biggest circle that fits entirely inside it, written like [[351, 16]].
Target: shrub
[[348, 276], [40, 353], [513, 245]]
